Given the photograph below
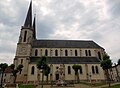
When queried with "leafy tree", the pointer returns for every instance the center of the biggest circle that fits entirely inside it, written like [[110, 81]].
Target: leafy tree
[[118, 61], [15, 71], [47, 72], [3, 66], [76, 68], [41, 65], [106, 64], [19, 68]]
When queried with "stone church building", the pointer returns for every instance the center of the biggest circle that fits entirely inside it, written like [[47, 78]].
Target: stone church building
[[62, 55]]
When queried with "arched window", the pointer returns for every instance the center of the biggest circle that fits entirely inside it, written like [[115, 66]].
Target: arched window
[[86, 53], [89, 52], [99, 55], [56, 52], [69, 70], [66, 53], [71, 52], [25, 35], [46, 52], [36, 52], [93, 70], [81, 70], [76, 53], [96, 68], [32, 70]]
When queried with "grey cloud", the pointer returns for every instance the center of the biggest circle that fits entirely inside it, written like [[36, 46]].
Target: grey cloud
[[114, 7]]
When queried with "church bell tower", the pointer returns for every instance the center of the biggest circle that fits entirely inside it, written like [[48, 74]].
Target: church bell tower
[[24, 45]]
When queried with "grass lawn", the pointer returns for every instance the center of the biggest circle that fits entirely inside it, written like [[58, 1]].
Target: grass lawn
[[94, 84], [115, 86], [26, 86]]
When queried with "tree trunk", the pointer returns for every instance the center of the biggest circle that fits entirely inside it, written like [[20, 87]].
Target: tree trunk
[[47, 78], [78, 77], [2, 79], [108, 78], [42, 78], [15, 78]]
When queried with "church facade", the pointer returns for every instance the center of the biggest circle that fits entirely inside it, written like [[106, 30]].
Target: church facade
[[61, 54]]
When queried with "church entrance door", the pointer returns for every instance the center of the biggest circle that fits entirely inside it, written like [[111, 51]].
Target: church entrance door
[[57, 76]]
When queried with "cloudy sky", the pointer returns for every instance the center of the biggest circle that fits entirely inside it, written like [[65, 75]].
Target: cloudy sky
[[97, 20]]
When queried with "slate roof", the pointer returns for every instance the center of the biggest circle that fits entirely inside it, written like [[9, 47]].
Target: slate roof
[[68, 60], [65, 44]]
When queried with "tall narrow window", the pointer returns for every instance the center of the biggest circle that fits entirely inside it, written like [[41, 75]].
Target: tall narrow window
[[81, 70], [61, 52], [69, 70], [36, 52], [51, 52], [76, 53], [96, 68], [86, 53], [56, 52], [89, 52], [99, 55], [93, 70], [25, 35], [40, 52], [66, 53], [71, 52], [32, 70], [46, 52], [21, 61]]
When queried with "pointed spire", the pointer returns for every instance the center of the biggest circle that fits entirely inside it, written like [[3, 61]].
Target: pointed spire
[[28, 21], [34, 28]]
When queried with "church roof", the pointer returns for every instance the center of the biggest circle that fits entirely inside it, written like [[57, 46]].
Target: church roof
[[65, 44], [68, 60]]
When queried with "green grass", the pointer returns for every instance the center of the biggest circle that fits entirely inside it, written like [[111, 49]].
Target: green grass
[[114, 86], [26, 86], [94, 84]]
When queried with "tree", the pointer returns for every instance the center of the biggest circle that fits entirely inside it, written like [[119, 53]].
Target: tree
[[106, 64], [19, 68], [15, 71], [118, 61], [41, 65], [3, 66], [46, 72], [76, 68]]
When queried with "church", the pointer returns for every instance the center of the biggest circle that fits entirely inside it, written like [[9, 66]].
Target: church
[[61, 54]]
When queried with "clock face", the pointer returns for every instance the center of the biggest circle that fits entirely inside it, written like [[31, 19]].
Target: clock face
[[22, 50]]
